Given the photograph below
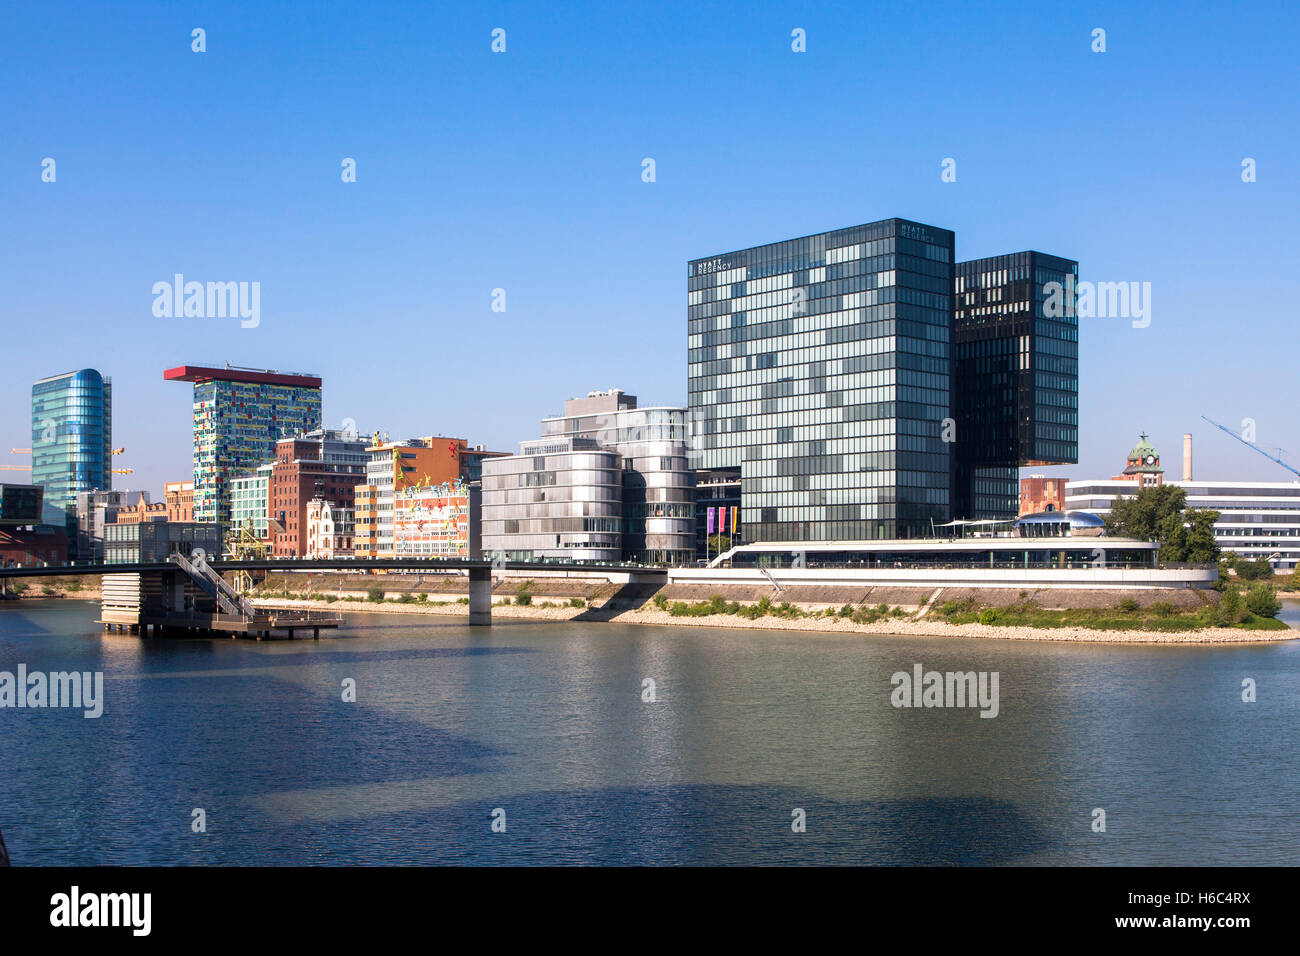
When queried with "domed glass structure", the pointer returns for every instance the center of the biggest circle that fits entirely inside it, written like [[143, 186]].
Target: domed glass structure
[[1060, 524]]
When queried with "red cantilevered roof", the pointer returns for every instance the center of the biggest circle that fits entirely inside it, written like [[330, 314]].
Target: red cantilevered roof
[[199, 373]]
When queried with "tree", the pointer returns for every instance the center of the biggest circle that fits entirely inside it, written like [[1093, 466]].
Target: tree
[[1140, 516], [1189, 536], [1249, 570], [719, 543], [1159, 513]]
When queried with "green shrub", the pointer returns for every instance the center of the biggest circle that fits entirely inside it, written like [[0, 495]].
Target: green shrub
[[1129, 605], [764, 605], [1162, 609], [1230, 608], [1262, 600], [846, 610], [988, 616], [375, 594], [660, 601], [1248, 570], [577, 602], [524, 593], [717, 604]]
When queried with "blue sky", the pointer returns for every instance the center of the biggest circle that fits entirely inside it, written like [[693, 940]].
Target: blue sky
[[522, 171]]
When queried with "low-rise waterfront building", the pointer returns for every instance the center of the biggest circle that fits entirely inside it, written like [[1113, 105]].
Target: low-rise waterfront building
[[1259, 520], [608, 481], [431, 521], [330, 529], [394, 466], [150, 542]]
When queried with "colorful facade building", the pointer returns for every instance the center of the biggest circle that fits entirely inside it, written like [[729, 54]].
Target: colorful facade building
[[431, 521], [239, 415], [395, 466]]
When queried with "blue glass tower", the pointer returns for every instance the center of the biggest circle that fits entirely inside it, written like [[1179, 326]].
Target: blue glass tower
[[72, 437]]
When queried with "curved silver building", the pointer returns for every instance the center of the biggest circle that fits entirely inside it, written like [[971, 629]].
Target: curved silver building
[[607, 481]]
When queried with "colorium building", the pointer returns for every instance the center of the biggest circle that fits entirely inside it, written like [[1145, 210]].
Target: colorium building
[[239, 415]]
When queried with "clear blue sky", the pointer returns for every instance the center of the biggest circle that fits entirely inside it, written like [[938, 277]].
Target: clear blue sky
[[523, 171]]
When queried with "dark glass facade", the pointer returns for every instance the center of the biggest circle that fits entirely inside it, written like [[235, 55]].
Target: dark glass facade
[[820, 370], [72, 438], [1016, 378]]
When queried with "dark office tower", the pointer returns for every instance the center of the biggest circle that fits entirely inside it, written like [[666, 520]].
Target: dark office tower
[[819, 371], [1017, 376]]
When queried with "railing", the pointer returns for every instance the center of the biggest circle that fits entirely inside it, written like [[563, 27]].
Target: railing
[[214, 584]]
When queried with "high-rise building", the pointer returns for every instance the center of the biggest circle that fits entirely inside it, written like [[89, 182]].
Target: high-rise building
[[239, 415], [820, 373], [72, 438], [1016, 376]]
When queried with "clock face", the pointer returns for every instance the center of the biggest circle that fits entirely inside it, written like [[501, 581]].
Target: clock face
[[1151, 459]]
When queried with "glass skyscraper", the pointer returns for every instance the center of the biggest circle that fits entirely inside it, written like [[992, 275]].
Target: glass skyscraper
[[820, 372], [239, 415], [1017, 377], [72, 438]]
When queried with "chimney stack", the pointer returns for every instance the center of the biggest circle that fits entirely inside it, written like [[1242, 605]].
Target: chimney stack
[[1187, 457]]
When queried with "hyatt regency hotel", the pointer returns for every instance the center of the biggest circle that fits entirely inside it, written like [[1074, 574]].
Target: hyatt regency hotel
[[860, 384]]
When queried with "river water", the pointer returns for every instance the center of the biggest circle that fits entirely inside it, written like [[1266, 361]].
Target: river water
[[548, 725]]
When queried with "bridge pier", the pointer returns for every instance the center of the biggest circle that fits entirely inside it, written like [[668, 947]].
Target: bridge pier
[[480, 595]]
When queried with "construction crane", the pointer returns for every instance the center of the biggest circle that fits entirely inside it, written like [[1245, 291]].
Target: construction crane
[[122, 471], [1251, 444], [15, 467], [20, 451], [117, 451]]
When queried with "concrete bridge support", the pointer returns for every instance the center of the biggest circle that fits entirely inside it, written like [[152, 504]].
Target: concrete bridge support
[[480, 595]]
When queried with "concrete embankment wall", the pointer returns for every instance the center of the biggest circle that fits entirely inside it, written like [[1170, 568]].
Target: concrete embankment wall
[[603, 593]]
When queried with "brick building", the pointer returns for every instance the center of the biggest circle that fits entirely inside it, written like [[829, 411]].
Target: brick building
[[1038, 494], [324, 464]]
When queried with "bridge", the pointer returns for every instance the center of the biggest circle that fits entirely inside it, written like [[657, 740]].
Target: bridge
[[192, 594]]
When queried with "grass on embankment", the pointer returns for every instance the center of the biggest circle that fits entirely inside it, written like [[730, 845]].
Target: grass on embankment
[[1123, 617]]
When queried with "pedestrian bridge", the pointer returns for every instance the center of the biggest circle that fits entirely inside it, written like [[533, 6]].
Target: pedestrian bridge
[[191, 593]]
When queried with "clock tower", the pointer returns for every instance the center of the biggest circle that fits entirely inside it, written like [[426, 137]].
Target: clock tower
[[1143, 465]]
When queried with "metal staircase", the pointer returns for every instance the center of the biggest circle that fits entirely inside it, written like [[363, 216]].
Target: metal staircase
[[214, 585]]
